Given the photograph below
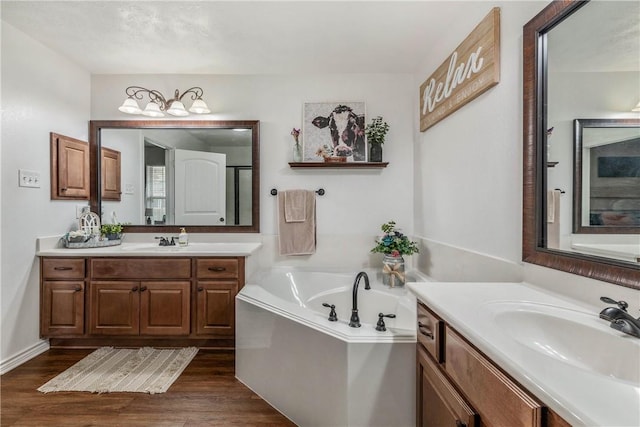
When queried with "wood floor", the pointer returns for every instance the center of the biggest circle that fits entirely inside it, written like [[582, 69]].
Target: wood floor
[[206, 394]]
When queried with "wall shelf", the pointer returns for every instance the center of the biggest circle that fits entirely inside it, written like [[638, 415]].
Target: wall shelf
[[346, 165]]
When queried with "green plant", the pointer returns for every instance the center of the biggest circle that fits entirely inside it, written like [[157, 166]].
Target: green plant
[[393, 242], [376, 131], [111, 229]]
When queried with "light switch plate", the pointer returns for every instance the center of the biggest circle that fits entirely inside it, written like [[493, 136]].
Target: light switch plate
[[128, 189], [28, 178]]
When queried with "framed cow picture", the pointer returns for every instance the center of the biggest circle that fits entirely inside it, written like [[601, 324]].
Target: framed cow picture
[[334, 129]]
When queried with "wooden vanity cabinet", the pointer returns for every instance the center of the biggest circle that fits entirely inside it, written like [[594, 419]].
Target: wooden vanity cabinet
[[167, 300], [62, 297], [458, 386]]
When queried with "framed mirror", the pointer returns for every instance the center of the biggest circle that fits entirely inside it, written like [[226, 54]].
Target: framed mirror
[[202, 175], [580, 60], [606, 197]]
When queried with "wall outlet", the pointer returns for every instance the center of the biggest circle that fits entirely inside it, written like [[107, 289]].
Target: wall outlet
[[28, 178], [80, 209]]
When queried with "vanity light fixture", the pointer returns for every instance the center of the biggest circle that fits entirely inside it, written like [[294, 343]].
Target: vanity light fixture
[[158, 104], [636, 108]]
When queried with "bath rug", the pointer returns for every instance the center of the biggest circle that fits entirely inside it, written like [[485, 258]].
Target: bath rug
[[109, 370]]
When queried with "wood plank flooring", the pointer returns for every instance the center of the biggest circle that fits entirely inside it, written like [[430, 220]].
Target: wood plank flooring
[[206, 394]]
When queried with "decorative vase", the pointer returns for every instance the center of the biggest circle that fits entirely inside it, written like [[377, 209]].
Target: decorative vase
[[375, 152], [393, 271], [297, 152], [112, 236]]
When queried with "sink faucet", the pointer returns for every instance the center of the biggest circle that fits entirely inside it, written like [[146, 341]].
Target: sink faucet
[[164, 241], [355, 320], [619, 318]]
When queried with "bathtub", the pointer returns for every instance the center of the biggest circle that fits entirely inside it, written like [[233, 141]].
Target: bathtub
[[322, 373]]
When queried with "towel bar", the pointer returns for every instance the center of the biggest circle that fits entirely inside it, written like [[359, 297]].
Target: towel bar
[[319, 192], [561, 191]]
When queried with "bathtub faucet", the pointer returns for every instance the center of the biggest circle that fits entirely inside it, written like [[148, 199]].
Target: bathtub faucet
[[355, 320]]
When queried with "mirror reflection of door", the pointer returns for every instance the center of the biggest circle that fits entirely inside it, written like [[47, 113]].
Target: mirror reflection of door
[[200, 187], [156, 159]]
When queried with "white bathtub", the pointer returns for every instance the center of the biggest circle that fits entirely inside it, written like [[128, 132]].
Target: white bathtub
[[322, 373]]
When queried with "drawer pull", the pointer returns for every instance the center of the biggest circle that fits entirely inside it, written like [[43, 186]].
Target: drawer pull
[[200, 289], [424, 330], [77, 289], [62, 268], [217, 269], [142, 289], [460, 424]]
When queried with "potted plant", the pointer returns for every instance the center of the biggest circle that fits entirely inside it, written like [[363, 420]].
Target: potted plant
[[111, 231], [394, 244], [376, 132]]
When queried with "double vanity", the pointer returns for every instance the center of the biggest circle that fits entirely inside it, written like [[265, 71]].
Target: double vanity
[[510, 354], [142, 294]]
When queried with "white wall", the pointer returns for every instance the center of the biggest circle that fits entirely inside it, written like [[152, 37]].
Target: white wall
[[42, 92], [468, 190], [357, 202]]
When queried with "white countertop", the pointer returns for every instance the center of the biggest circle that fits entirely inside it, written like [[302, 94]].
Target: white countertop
[[568, 385], [127, 249]]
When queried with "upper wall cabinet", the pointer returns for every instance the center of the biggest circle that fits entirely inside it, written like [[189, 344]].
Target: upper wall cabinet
[[69, 168], [111, 187]]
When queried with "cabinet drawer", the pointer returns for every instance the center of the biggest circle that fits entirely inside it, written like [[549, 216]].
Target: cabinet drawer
[[137, 268], [63, 268], [217, 268], [430, 332], [499, 401]]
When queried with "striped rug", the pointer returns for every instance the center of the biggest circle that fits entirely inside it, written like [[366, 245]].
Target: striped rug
[[108, 370]]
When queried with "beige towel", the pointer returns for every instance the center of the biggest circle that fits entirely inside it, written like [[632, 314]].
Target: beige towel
[[295, 205], [553, 219], [297, 238]]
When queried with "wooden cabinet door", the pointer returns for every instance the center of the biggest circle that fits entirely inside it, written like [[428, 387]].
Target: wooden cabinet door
[[438, 402], [164, 308], [215, 312], [115, 308], [69, 168], [62, 311], [110, 170]]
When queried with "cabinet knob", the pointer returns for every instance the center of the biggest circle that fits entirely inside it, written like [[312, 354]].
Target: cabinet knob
[[217, 269], [460, 424], [142, 289], [63, 189], [135, 289], [77, 289], [200, 289]]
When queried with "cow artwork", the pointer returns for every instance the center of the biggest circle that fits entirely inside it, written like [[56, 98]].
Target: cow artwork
[[337, 129]]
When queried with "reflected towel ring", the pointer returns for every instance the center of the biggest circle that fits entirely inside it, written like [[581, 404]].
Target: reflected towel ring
[[319, 192]]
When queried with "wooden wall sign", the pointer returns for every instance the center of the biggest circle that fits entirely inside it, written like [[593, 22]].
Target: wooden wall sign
[[469, 71]]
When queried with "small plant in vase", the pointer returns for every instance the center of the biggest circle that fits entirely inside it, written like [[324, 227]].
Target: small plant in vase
[[376, 132], [394, 244], [111, 231]]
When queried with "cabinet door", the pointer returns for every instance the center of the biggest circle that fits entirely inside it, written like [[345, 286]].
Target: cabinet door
[[62, 308], [115, 308], [69, 168], [215, 314], [438, 402], [164, 308], [110, 180]]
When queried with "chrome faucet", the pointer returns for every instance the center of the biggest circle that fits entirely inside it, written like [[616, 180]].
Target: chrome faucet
[[355, 320], [619, 318]]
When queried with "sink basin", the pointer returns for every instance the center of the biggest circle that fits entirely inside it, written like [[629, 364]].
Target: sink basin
[[209, 248], [577, 338]]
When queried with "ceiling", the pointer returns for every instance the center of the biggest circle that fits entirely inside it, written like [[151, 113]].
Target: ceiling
[[243, 37]]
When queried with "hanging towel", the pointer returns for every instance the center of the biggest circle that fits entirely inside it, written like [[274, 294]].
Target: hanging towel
[[553, 219], [297, 238], [295, 205]]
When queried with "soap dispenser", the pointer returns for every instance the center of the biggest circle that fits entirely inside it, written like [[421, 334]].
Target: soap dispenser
[[183, 238]]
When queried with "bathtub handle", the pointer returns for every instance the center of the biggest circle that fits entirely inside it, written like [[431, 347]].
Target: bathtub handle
[[424, 331], [217, 269], [333, 317]]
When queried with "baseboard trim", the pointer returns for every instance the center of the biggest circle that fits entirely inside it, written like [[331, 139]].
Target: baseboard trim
[[24, 356]]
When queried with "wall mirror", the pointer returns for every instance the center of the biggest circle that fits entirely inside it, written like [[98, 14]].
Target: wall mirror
[[606, 197], [203, 175], [580, 62]]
